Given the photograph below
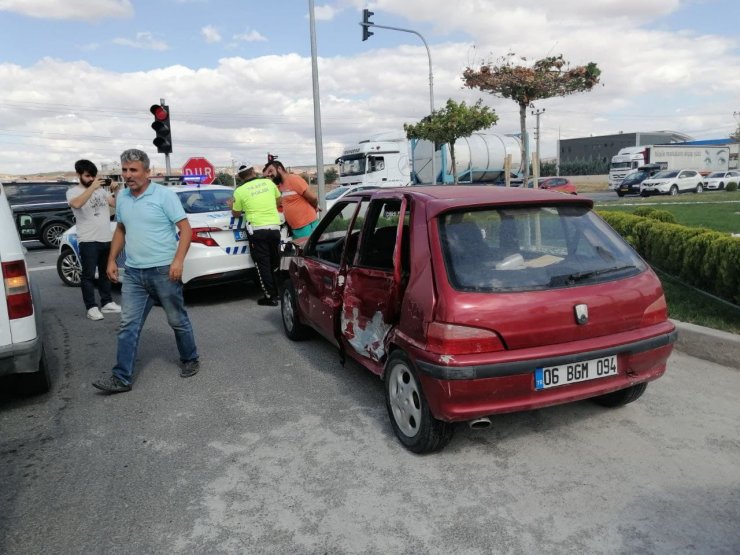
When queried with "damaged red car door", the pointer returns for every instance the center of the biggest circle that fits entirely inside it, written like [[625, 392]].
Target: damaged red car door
[[373, 285]]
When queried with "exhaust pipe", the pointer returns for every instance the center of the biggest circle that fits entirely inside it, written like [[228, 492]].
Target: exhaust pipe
[[480, 423]]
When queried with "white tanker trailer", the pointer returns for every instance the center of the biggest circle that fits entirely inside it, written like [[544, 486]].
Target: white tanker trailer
[[387, 160]]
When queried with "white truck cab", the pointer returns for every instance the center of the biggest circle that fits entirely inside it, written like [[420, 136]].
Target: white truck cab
[[381, 163]]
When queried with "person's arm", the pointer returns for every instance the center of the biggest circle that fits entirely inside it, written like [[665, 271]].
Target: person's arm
[[183, 226], [235, 206], [80, 200], [116, 246], [309, 195], [112, 195]]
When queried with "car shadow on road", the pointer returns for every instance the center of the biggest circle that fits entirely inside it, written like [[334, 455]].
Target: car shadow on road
[[215, 294]]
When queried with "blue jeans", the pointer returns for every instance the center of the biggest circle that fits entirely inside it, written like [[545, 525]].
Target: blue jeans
[[141, 288], [94, 255]]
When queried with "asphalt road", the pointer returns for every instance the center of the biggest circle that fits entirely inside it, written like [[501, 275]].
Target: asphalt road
[[274, 447]]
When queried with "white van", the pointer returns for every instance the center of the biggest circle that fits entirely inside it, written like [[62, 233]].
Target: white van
[[21, 344]]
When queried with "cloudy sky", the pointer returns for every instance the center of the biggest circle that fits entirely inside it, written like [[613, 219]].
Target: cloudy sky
[[77, 77]]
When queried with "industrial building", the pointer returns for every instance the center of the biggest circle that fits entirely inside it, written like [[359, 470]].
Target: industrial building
[[601, 148]]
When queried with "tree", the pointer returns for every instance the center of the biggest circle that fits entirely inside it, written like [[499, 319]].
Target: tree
[[331, 175], [223, 178], [452, 122], [546, 78]]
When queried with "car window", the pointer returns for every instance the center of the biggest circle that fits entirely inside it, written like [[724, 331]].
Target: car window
[[379, 239], [543, 247], [336, 193], [327, 242], [36, 193], [666, 174], [198, 201]]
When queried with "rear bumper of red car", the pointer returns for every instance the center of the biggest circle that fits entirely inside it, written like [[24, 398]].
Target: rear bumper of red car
[[460, 391]]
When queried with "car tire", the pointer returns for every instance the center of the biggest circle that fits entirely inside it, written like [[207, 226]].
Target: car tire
[[51, 233], [38, 382], [622, 397], [408, 410], [620, 194], [69, 269], [674, 191], [294, 329], [721, 187], [699, 188]]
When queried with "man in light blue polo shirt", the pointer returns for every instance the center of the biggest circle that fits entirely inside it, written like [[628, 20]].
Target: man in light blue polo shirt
[[149, 218]]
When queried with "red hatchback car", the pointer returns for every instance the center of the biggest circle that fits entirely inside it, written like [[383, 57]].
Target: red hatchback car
[[559, 184], [474, 301]]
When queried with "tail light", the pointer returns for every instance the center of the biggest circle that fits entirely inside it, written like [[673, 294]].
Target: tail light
[[451, 339], [202, 235], [656, 313], [17, 291]]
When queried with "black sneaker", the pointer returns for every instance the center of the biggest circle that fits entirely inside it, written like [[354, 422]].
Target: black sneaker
[[111, 384], [268, 301], [190, 368]]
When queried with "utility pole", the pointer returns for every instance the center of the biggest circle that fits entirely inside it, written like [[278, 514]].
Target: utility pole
[[537, 114], [317, 109], [366, 24]]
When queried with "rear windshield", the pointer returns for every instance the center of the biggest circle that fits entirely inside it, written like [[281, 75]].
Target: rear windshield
[[636, 177], [532, 248], [198, 201]]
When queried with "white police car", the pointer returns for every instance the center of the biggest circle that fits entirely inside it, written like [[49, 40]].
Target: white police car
[[219, 251]]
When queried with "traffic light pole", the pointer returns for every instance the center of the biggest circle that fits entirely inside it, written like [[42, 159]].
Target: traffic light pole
[[431, 77], [166, 156]]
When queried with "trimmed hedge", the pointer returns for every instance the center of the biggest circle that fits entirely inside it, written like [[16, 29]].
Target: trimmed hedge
[[706, 259]]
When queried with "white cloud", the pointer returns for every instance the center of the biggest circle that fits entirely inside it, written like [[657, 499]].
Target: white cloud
[[144, 40], [86, 10], [210, 34], [241, 108], [325, 12], [250, 36]]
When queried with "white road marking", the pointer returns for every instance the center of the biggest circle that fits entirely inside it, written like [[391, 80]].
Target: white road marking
[[41, 268]]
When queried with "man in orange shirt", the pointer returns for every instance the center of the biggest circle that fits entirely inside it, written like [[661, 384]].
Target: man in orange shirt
[[298, 200]]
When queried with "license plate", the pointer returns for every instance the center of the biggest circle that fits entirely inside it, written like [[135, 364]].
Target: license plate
[[574, 372], [240, 235]]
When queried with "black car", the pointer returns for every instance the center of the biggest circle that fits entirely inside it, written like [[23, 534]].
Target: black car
[[630, 185], [40, 209]]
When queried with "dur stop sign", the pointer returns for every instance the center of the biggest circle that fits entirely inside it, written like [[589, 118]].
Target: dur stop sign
[[200, 166]]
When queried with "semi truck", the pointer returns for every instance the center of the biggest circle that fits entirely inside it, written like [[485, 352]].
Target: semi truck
[[703, 158], [391, 160]]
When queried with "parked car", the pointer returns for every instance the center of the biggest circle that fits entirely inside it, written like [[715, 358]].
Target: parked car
[[672, 182], [559, 184], [40, 210], [719, 180], [21, 341], [218, 253], [335, 194], [473, 301], [631, 183]]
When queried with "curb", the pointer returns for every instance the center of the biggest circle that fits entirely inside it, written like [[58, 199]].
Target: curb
[[716, 346]]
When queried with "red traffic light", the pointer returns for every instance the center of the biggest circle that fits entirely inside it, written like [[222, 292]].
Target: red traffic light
[[160, 113]]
